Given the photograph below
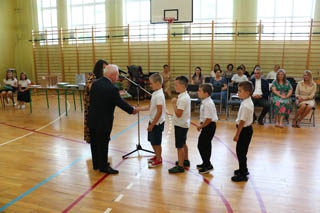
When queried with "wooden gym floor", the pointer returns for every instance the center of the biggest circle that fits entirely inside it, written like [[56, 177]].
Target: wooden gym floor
[[45, 166]]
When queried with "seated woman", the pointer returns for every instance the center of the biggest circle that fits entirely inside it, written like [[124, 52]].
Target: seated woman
[[219, 82], [197, 79], [281, 93], [213, 72], [305, 93], [228, 74], [166, 81], [237, 78], [10, 86]]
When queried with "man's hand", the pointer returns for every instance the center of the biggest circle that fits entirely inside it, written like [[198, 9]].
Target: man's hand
[[135, 110]]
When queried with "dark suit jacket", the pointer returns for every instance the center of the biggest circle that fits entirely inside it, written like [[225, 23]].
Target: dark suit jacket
[[264, 87], [104, 96]]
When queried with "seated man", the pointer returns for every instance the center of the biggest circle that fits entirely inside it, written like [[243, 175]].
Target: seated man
[[260, 95], [273, 74]]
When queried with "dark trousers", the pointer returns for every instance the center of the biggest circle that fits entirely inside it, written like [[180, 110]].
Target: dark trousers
[[262, 103], [242, 148], [204, 143], [99, 148]]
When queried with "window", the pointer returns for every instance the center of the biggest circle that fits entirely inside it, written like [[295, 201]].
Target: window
[[285, 19], [83, 14], [206, 11], [136, 13], [47, 20]]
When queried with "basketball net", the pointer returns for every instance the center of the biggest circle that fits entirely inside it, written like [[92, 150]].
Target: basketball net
[[169, 20]]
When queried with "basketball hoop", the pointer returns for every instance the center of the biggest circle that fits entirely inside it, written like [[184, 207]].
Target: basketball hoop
[[169, 19]]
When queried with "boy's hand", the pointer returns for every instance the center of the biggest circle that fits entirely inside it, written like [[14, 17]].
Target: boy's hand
[[150, 127], [236, 138]]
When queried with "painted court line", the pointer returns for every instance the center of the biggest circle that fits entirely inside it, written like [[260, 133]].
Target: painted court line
[[62, 170], [255, 188], [108, 210], [129, 186], [48, 124], [120, 196]]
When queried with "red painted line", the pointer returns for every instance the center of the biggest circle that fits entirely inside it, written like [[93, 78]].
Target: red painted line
[[44, 133], [90, 189], [205, 180], [255, 188]]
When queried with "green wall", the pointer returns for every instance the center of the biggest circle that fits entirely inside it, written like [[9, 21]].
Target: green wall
[[7, 36]]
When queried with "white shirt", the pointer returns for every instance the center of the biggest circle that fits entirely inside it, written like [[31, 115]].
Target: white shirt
[[272, 75], [257, 89], [183, 103], [245, 112], [236, 78], [208, 110], [157, 98], [24, 83], [10, 82]]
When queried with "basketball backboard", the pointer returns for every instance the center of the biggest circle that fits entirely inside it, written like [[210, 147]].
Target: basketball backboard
[[181, 11]]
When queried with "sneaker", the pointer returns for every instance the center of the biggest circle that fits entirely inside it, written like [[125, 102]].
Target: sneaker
[[18, 107], [155, 163], [23, 107], [206, 169], [150, 160], [239, 178], [237, 172], [176, 169], [186, 163]]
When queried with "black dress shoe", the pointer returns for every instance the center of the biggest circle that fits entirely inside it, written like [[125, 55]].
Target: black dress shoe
[[237, 172], [186, 163], [239, 178], [260, 122], [200, 166], [109, 170]]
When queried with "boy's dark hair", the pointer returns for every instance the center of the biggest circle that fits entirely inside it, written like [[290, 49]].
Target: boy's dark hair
[[183, 80], [230, 65], [166, 65], [206, 88], [156, 77], [239, 68], [246, 86]]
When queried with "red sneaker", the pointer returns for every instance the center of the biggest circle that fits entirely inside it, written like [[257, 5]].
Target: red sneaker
[[150, 160], [155, 163]]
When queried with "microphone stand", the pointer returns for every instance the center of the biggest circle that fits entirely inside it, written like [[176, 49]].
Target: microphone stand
[[138, 146]]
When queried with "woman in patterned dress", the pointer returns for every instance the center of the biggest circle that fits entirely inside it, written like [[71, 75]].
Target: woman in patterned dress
[[97, 73], [281, 93]]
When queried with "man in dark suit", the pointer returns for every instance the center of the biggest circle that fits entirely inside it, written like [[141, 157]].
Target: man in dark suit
[[260, 94], [104, 97]]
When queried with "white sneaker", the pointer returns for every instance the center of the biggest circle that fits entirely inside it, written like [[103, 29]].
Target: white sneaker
[[18, 107], [23, 107]]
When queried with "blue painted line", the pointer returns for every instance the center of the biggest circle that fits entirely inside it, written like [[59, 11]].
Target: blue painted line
[[62, 170]]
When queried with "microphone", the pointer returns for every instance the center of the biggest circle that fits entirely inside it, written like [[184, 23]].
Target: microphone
[[123, 72]]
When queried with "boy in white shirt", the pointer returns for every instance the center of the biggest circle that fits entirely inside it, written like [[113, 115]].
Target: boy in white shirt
[[181, 121], [208, 118], [244, 130], [157, 110], [239, 77]]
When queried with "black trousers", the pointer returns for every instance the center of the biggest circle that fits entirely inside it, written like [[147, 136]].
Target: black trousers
[[262, 103], [99, 148], [204, 143], [242, 148]]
